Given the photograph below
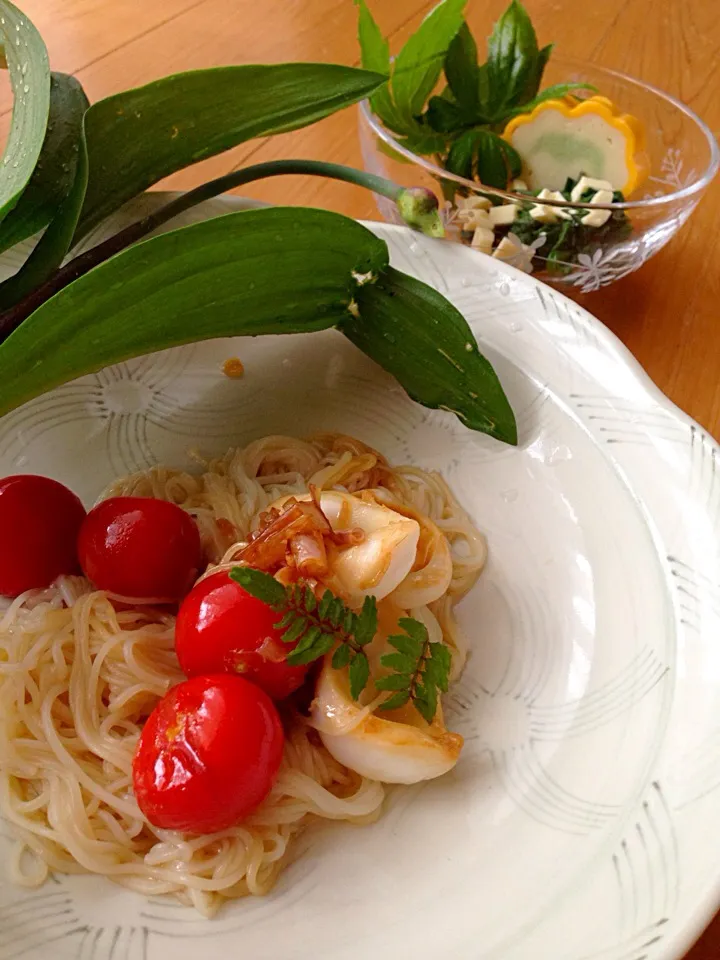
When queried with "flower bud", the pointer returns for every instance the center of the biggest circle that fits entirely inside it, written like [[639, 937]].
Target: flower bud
[[418, 207]]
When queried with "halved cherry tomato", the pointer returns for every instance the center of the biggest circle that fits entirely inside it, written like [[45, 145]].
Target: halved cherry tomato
[[139, 547], [208, 755], [222, 628], [39, 523]]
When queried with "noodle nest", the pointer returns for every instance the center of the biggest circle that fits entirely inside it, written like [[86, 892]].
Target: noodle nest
[[80, 672]]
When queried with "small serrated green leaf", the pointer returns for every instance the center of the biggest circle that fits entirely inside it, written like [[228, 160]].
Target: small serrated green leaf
[[324, 606], [308, 640], [425, 700], [424, 709], [296, 630], [349, 623], [310, 602], [336, 612], [287, 619], [366, 622], [414, 628], [439, 665], [395, 701], [359, 674], [321, 646], [261, 585], [406, 645], [400, 662], [341, 657], [393, 681]]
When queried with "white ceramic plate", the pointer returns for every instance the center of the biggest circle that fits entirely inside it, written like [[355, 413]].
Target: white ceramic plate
[[582, 820]]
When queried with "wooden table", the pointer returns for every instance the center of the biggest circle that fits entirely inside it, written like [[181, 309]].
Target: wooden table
[[667, 313]]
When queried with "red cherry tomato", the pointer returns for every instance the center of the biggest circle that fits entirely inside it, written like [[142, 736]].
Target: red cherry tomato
[[141, 548], [39, 523], [208, 755], [221, 628]]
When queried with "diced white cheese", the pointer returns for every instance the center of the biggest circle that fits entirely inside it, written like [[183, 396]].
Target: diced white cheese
[[602, 196], [474, 202], [598, 218], [561, 212], [505, 249], [543, 214], [483, 239], [503, 215], [474, 218], [588, 183]]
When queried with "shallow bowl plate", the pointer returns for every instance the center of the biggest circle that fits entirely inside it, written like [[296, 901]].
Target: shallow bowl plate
[[581, 821]]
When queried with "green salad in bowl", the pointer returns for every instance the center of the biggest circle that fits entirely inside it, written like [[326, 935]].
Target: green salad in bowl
[[568, 170]]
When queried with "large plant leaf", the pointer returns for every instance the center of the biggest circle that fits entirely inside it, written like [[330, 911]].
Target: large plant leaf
[[54, 173], [418, 65], [278, 270], [50, 250], [461, 70], [27, 61], [413, 332], [555, 92], [142, 135], [375, 56], [514, 62]]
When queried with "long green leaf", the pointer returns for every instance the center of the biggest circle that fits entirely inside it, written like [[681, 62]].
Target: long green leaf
[[413, 332], [140, 136], [375, 56], [418, 65], [555, 92], [27, 61], [54, 174], [50, 250], [512, 57], [280, 270], [461, 70]]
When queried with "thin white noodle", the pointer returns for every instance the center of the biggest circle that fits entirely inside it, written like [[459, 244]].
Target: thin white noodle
[[79, 677]]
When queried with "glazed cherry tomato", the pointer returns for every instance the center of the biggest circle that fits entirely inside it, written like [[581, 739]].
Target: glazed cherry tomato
[[221, 628], [208, 754], [141, 548], [39, 523]]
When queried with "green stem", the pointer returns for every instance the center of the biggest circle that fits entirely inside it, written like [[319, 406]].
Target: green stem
[[12, 318]]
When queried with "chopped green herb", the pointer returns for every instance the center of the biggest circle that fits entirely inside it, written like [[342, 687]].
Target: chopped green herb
[[419, 668]]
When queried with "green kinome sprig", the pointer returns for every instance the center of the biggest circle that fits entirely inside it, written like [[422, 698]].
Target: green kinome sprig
[[69, 164], [418, 668]]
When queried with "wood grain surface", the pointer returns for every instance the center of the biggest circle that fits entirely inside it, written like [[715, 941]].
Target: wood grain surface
[[668, 313]]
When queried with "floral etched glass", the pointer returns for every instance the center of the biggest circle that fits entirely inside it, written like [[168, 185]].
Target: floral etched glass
[[683, 158]]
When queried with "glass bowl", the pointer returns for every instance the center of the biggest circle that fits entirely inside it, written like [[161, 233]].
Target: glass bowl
[[683, 158]]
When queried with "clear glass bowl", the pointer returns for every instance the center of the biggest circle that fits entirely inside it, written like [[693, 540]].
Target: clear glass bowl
[[683, 158]]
